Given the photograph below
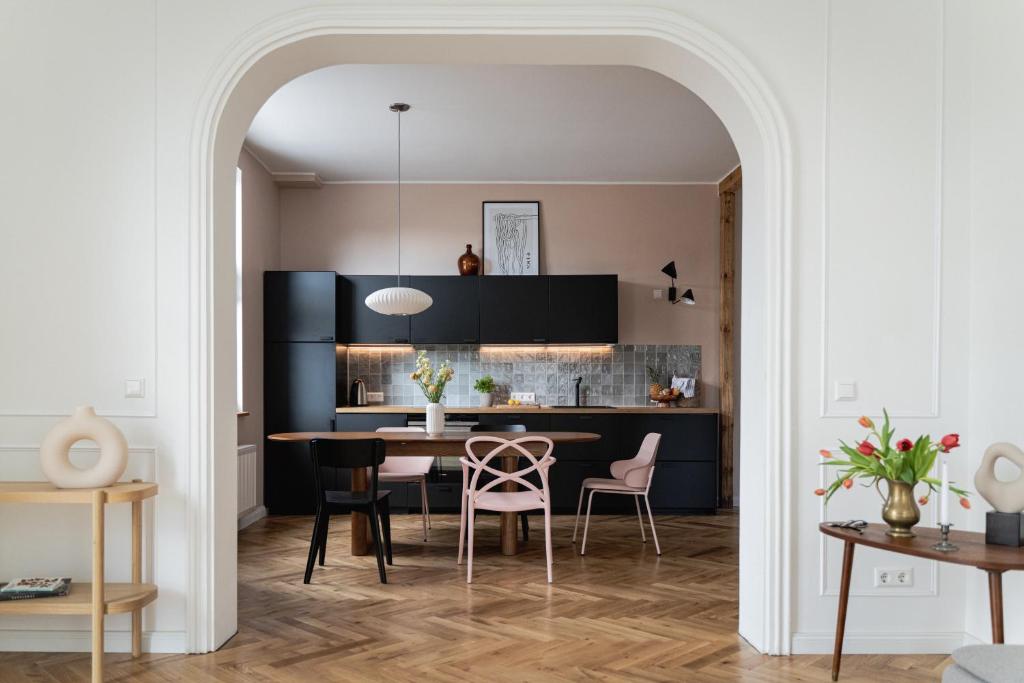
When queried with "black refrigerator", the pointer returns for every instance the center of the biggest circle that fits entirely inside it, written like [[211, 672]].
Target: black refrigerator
[[301, 362]]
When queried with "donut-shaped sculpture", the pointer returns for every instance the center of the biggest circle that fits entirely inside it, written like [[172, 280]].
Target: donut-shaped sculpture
[[83, 424], [1004, 496]]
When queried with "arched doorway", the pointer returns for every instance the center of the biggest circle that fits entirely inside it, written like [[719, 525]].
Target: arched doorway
[[663, 42]]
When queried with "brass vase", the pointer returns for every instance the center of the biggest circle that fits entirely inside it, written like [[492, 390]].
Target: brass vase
[[900, 511], [469, 263]]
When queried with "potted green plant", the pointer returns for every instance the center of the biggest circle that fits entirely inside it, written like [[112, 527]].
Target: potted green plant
[[485, 386], [902, 465]]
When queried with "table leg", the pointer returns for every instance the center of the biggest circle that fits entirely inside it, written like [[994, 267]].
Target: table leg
[[995, 602], [360, 522], [99, 499], [844, 598], [509, 534], [137, 574]]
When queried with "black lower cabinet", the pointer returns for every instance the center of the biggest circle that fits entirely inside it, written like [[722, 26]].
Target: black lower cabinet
[[684, 486]]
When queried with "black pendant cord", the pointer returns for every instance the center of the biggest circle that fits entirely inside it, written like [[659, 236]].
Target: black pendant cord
[[399, 275]]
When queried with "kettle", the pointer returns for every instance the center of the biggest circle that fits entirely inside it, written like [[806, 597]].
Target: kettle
[[357, 393]]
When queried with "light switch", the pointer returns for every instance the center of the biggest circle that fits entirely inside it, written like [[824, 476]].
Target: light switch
[[659, 293], [134, 388], [846, 390]]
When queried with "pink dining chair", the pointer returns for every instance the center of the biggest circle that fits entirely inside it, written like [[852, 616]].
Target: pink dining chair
[[629, 478], [475, 496], [411, 469]]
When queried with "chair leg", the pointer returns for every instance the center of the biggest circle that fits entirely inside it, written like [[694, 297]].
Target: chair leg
[[469, 558], [385, 519], [547, 537], [579, 506], [639, 515], [654, 532], [525, 519], [377, 542], [462, 527], [314, 546], [324, 526], [425, 511], [586, 525]]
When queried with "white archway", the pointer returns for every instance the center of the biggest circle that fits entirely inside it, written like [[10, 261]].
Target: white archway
[[295, 43]]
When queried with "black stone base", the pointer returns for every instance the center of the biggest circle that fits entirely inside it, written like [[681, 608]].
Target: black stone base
[[1004, 528]]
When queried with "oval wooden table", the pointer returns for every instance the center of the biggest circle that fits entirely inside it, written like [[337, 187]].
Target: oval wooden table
[[410, 444], [973, 552]]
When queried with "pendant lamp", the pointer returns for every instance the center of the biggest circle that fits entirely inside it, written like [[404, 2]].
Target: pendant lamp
[[399, 300]]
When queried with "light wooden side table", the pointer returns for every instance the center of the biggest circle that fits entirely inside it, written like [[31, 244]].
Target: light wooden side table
[[98, 598]]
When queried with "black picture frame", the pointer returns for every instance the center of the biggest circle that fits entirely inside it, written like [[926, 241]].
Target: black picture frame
[[528, 207]]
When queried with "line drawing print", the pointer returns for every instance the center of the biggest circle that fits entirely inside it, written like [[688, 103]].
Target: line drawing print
[[510, 240]]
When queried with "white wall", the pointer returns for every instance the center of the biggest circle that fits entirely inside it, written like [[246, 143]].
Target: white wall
[[996, 316], [873, 93]]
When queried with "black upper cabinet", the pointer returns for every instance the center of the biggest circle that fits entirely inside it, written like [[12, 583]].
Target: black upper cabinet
[[454, 317], [299, 306], [363, 325], [583, 308], [514, 309]]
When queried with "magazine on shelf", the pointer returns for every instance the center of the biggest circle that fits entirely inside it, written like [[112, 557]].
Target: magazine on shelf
[[45, 587]]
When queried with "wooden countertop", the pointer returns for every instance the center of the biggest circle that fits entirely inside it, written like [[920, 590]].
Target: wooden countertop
[[560, 410]]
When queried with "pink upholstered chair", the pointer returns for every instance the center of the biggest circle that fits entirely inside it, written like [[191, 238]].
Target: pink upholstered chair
[[408, 469], [485, 497], [629, 478]]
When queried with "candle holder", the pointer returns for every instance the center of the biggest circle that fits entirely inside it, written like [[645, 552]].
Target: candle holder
[[944, 546]]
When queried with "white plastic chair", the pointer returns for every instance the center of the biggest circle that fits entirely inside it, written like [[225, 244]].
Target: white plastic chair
[[630, 478], [485, 498], [409, 469]]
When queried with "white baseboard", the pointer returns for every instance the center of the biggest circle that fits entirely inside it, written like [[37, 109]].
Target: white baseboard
[[81, 641], [254, 515], [875, 643]]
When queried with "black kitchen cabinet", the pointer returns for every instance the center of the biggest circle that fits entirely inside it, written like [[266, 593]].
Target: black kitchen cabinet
[[685, 437], [299, 306], [369, 422], [300, 395], [606, 425], [583, 308], [454, 317], [362, 325], [684, 486], [514, 309], [533, 423]]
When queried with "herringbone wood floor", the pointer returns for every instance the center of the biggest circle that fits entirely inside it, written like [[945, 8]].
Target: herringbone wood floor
[[618, 614]]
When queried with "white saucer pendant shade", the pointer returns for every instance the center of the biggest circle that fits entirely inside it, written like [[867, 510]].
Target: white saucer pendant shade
[[399, 301]]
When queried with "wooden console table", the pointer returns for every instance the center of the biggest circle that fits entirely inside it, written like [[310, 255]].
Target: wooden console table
[[96, 599], [974, 552]]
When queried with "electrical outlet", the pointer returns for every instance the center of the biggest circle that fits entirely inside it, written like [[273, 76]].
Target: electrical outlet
[[524, 396], [375, 397], [900, 578]]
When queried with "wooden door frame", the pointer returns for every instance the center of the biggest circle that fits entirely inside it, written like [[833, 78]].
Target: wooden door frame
[[727, 188]]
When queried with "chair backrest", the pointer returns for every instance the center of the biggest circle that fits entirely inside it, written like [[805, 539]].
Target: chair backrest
[[405, 464], [481, 464], [638, 470], [341, 454], [498, 428]]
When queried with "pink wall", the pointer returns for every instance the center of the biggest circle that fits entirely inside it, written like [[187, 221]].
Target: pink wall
[[260, 251], [632, 230]]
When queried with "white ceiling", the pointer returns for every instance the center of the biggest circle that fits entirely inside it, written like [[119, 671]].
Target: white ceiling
[[492, 124]]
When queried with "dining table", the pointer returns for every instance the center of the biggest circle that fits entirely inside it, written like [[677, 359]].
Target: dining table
[[412, 444]]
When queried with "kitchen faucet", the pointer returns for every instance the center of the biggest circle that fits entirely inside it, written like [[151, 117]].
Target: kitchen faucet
[[576, 388]]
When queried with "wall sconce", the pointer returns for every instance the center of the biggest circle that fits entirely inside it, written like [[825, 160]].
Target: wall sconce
[[687, 298]]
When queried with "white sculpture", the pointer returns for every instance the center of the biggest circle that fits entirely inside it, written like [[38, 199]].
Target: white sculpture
[[1004, 496], [83, 424]]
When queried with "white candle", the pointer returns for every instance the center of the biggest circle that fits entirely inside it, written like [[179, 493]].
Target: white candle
[[944, 494]]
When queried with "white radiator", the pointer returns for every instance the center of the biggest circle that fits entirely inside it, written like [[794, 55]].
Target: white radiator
[[250, 485]]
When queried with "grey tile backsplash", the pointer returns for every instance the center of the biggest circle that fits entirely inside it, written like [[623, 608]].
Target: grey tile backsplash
[[615, 375]]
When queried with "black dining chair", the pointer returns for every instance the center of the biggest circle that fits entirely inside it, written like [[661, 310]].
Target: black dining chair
[[523, 518], [332, 454]]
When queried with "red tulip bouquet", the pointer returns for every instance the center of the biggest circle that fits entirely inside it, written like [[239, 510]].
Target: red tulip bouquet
[[905, 461]]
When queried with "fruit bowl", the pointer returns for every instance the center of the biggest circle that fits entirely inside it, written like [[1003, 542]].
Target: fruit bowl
[[665, 397]]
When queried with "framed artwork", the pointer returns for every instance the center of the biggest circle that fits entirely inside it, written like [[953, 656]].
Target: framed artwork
[[511, 238]]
